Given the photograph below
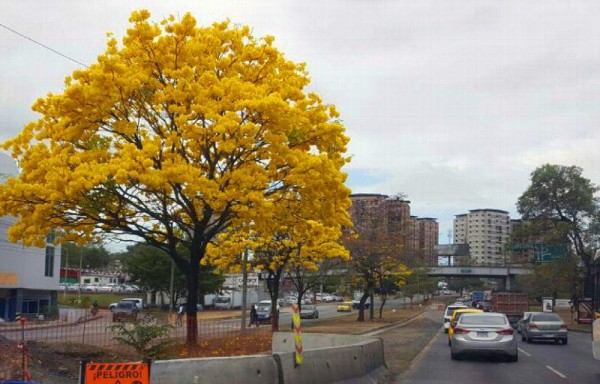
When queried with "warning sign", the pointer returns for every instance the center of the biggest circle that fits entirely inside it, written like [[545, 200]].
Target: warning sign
[[117, 373]]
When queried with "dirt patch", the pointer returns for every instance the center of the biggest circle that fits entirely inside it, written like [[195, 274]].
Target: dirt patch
[[253, 343], [51, 363]]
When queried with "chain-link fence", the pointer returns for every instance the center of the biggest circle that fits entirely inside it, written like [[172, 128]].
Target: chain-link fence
[[80, 326]]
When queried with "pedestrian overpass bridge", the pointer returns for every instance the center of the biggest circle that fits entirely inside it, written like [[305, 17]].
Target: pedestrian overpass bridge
[[507, 273]]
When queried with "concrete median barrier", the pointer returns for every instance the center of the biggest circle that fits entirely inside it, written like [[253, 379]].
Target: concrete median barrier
[[361, 363], [327, 359], [257, 369]]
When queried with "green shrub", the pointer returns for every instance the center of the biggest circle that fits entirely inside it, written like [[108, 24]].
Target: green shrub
[[142, 335]]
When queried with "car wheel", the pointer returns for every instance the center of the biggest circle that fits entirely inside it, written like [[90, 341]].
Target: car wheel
[[514, 358], [454, 356], [564, 341]]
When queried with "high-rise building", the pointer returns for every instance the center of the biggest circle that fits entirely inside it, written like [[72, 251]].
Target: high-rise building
[[486, 231], [419, 236]]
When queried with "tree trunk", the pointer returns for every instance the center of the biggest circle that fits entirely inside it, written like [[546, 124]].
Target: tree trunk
[[371, 307], [361, 307], [383, 299], [274, 293], [192, 300]]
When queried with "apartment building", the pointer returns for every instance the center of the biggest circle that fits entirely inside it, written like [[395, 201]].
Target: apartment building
[[486, 231], [419, 236], [28, 275]]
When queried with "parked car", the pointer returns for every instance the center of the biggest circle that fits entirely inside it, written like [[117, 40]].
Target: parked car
[[346, 306], [448, 314], [544, 326], [309, 312], [522, 320], [89, 288], [125, 310], [73, 287], [268, 302], [455, 316], [106, 288], [291, 300], [263, 312], [140, 303], [484, 334], [328, 298]]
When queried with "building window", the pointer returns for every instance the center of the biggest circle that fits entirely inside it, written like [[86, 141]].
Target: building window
[[49, 270]]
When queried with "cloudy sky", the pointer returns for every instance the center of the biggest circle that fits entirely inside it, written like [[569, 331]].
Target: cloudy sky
[[453, 103]]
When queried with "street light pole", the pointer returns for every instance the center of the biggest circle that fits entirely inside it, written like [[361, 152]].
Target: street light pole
[[80, 260], [244, 290], [66, 274]]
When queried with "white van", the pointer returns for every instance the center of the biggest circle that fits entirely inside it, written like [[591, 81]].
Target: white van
[[448, 314]]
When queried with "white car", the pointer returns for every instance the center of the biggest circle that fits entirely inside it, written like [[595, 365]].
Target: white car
[[267, 302], [139, 303], [448, 314], [328, 298]]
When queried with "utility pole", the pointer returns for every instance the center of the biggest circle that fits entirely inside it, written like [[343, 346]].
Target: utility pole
[[66, 274], [80, 261]]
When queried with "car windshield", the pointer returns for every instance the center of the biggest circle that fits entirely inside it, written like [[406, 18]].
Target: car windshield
[[545, 317], [263, 308], [482, 319], [451, 310], [309, 307], [125, 305]]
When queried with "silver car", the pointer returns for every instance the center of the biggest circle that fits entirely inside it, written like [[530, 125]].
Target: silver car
[[309, 312], [522, 320], [484, 334], [544, 326]]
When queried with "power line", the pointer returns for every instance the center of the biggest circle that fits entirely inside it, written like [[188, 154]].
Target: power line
[[43, 45]]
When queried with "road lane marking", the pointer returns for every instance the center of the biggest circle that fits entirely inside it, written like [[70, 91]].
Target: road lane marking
[[523, 352], [555, 371]]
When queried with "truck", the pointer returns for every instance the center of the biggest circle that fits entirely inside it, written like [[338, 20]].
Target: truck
[[512, 304], [233, 299], [477, 296]]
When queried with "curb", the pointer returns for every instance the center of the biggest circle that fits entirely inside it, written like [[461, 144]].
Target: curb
[[389, 326]]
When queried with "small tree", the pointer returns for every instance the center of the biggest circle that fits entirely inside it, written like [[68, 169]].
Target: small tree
[[561, 203], [143, 336], [305, 278]]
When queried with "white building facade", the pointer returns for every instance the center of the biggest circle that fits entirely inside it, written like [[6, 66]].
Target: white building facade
[[29, 276], [486, 231]]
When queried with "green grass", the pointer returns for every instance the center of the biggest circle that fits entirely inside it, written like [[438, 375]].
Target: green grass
[[104, 299]]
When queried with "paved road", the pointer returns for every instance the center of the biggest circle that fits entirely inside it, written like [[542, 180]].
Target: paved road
[[539, 363]]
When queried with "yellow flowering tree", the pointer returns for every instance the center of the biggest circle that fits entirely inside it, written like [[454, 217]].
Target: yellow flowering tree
[[176, 134], [303, 230]]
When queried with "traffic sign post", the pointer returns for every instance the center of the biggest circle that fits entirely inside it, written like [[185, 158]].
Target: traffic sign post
[[115, 373]]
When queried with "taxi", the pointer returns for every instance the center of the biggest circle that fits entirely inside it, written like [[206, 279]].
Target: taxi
[[346, 306], [455, 316]]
